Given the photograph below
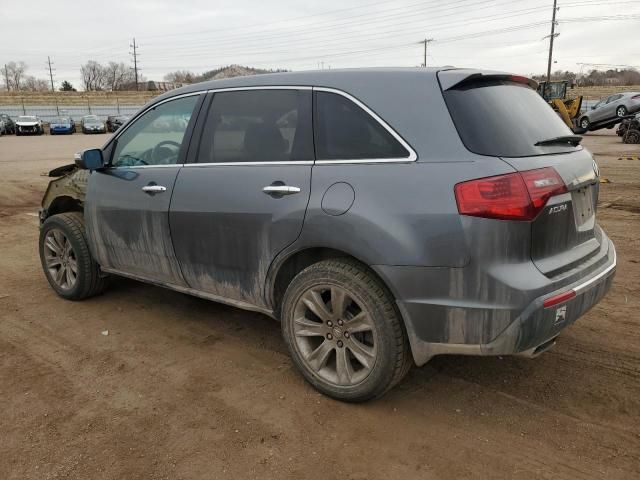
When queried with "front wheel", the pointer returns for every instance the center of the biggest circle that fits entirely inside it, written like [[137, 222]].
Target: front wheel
[[584, 123], [343, 331], [621, 111], [66, 260]]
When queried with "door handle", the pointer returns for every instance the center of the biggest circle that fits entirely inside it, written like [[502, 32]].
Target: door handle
[[154, 189], [280, 190]]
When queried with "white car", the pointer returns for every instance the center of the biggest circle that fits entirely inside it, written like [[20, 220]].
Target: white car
[[29, 125]]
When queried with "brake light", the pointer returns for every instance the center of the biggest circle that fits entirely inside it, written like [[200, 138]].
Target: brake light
[[636, 97], [514, 196]]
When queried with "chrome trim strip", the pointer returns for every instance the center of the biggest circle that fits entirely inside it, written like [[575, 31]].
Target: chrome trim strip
[[136, 167], [365, 160], [261, 87], [235, 164], [589, 283], [413, 156]]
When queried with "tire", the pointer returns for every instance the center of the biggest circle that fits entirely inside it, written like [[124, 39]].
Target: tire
[[382, 354], [69, 248], [632, 137], [621, 111], [584, 123]]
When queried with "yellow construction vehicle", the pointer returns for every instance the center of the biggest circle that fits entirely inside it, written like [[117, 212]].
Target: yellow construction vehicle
[[555, 93]]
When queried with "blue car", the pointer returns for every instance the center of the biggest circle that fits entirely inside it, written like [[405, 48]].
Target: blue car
[[62, 125]]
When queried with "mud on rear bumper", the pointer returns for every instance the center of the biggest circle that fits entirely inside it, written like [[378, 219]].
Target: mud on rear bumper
[[528, 331]]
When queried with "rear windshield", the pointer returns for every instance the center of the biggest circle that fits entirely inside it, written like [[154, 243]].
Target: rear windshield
[[504, 119]]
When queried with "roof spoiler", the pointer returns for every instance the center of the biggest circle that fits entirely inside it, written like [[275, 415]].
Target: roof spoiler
[[459, 80]]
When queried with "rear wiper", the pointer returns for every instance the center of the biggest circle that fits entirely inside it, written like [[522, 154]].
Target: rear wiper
[[573, 140]]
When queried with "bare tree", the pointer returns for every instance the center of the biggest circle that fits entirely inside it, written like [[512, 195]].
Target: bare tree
[[116, 75], [180, 76], [33, 84], [93, 76], [15, 72]]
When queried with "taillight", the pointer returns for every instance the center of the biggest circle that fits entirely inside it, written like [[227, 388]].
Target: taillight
[[636, 97], [514, 196]]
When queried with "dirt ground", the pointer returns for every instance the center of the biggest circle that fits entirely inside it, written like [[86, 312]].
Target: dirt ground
[[182, 388]]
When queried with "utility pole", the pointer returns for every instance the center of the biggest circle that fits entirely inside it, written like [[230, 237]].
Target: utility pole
[[425, 42], [135, 60], [6, 76], [53, 89], [551, 38]]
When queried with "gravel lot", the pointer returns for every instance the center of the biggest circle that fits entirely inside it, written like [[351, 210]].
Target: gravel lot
[[182, 388]]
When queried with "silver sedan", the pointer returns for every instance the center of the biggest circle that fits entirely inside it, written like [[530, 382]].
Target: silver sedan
[[609, 108]]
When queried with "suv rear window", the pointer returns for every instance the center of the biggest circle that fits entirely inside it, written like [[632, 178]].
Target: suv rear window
[[504, 119]]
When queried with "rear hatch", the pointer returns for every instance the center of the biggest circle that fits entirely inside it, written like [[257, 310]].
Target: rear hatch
[[502, 116]]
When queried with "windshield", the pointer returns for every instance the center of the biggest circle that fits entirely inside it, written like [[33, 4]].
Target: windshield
[[505, 119], [27, 119]]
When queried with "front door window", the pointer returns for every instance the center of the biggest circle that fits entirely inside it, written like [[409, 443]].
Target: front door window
[[157, 137]]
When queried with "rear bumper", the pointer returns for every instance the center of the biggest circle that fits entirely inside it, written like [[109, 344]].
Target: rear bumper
[[494, 317]]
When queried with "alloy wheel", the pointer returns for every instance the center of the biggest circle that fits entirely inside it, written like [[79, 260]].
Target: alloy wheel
[[60, 259], [335, 335]]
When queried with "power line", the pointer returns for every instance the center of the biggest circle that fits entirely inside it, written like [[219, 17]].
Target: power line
[[53, 89], [426, 41], [6, 76], [551, 38], [135, 60]]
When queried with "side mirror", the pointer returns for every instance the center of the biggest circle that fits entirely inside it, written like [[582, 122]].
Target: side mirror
[[91, 159]]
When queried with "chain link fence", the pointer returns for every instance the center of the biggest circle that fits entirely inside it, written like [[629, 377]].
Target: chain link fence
[[48, 112]]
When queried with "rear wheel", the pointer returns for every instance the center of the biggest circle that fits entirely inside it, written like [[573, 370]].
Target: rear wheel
[[343, 331], [621, 111], [66, 259]]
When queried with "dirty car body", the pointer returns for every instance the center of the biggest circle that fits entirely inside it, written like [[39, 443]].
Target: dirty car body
[[482, 229]]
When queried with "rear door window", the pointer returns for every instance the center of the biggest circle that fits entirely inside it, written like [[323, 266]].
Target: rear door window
[[258, 126], [344, 131], [505, 119]]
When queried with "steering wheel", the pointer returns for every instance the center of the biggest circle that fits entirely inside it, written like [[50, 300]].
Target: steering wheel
[[156, 150]]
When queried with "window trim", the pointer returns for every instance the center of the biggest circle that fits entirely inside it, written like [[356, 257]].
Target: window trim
[[413, 156]]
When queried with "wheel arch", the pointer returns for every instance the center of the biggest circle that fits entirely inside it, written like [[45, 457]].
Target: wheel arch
[[285, 267], [64, 204]]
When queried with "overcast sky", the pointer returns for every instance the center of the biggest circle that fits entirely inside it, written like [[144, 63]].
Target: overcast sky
[[200, 35]]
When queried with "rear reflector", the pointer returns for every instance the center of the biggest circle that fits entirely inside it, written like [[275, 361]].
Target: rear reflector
[[560, 298], [515, 196]]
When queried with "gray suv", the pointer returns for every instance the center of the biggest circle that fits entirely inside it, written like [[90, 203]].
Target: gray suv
[[384, 216]]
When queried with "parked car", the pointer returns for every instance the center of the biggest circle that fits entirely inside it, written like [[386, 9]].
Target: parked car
[[409, 213], [92, 124], [612, 107], [114, 122], [62, 125], [29, 125], [9, 124]]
